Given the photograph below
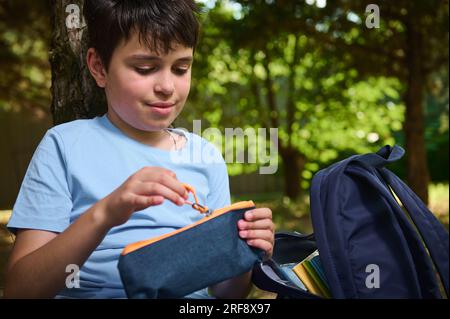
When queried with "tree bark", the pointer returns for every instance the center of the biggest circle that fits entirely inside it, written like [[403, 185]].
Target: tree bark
[[417, 165], [294, 164], [75, 94]]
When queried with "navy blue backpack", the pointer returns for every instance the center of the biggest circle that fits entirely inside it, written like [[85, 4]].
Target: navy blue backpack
[[358, 223]]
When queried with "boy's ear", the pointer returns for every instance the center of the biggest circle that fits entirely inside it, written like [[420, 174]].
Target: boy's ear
[[96, 68]]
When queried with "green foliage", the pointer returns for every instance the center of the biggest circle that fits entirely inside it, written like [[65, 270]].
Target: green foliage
[[437, 126], [24, 40], [332, 86], [321, 107]]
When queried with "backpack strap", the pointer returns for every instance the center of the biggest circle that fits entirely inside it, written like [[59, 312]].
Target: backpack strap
[[383, 157], [414, 267], [328, 235], [433, 233], [420, 265]]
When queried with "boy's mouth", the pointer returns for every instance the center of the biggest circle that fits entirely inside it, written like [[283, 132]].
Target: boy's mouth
[[161, 108], [162, 105]]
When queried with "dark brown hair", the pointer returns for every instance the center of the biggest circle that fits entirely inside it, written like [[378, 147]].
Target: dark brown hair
[[159, 23]]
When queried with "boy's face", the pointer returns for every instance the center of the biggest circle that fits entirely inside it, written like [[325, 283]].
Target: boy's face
[[146, 90]]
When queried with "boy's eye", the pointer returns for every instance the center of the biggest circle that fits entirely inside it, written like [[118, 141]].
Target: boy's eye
[[147, 70], [181, 70], [144, 71]]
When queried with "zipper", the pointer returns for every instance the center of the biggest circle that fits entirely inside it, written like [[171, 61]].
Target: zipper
[[218, 212]]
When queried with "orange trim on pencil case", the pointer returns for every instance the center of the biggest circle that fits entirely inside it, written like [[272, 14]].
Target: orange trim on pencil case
[[218, 212]]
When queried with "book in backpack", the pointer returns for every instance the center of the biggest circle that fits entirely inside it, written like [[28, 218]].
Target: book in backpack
[[373, 238]]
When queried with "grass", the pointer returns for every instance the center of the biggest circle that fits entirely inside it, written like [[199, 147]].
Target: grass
[[438, 202]]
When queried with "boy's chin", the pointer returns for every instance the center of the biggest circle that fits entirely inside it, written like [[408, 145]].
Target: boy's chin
[[155, 126]]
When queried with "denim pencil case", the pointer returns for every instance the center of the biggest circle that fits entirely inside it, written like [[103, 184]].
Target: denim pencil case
[[191, 258]]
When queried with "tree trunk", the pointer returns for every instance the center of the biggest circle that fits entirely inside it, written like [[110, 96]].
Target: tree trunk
[[294, 163], [75, 94], [417, 167]]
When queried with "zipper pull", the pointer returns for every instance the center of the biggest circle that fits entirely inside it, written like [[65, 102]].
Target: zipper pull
[[200, 208]]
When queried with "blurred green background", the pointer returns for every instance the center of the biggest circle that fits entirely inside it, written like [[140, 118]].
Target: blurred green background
[[314, 69]]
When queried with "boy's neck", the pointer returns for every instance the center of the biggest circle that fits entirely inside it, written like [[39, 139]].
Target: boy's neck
[[159, 139]]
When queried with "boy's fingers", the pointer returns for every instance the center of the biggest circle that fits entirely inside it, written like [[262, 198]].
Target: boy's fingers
[[266, 235], [170, 173], [143, 202], [174, 185], [258, 213], [258, 224], [263, 245], [166, 178], [154, 189]]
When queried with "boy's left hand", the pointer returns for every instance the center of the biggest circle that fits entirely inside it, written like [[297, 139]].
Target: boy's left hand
[[257, 228]]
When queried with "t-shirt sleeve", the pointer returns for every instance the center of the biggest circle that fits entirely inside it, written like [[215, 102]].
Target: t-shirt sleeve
[[219, 195], [44, 200]]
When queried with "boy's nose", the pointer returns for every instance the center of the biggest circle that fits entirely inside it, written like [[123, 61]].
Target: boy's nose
[[164, 85]]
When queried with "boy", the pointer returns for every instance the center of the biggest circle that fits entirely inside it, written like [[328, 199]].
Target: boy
[[94, 186]]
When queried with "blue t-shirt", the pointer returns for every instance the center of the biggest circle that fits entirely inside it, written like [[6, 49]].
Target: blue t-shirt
[[78, 163]]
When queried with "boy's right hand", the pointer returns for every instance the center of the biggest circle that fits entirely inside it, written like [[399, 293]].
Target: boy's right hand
[[147, 187]]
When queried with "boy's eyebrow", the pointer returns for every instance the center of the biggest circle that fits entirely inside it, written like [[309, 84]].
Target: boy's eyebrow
[[145, 57]]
